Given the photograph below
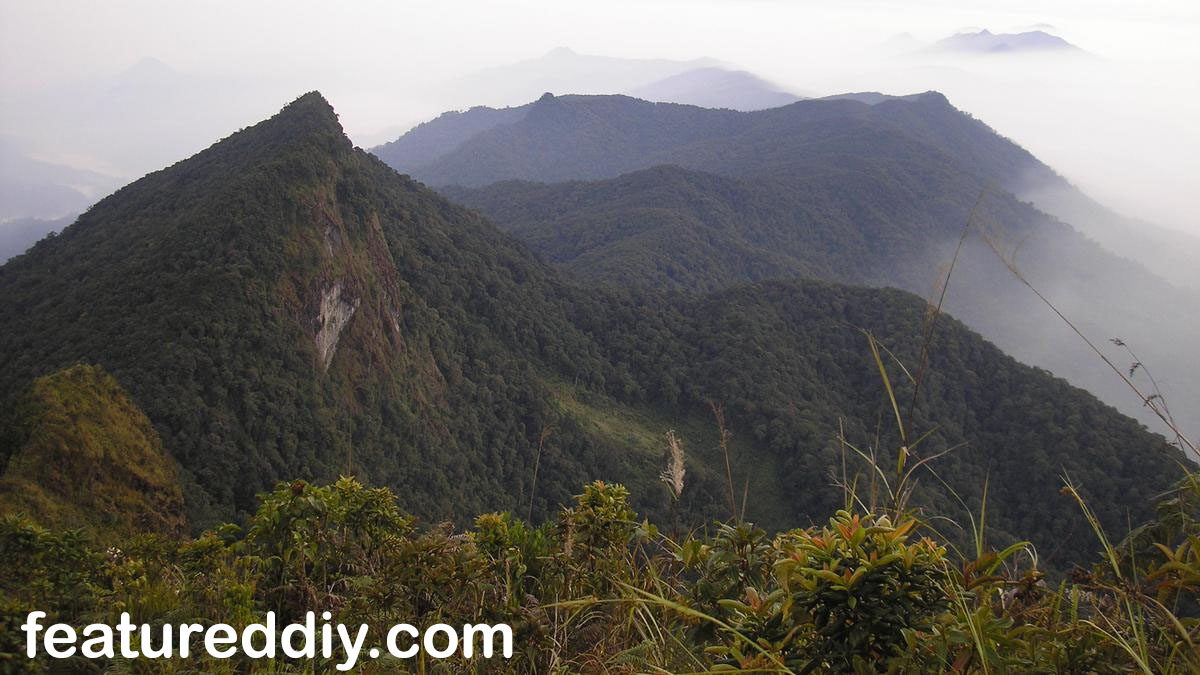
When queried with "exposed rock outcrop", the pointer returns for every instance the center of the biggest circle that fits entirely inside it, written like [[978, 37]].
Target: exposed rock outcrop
[[335, 313]]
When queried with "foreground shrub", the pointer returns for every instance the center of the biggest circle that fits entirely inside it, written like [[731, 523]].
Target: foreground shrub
[[598, 591]]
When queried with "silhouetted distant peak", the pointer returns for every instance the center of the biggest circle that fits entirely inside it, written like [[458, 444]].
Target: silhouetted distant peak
[[987, 42], [716, 87], [147, 71]]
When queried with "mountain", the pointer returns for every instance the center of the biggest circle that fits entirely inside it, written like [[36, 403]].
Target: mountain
[[986, 42], [617, 133], [879, 190], [249, 300], [716, 88], [284, 306], [706, 87], [609, 135]]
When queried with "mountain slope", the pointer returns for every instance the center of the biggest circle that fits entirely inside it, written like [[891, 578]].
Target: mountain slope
[[1169, 254], [86, 457], [672, 228], [285, 306], [881, 191]]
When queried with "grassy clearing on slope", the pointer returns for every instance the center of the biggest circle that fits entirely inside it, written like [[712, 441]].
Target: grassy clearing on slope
[[639, 434]]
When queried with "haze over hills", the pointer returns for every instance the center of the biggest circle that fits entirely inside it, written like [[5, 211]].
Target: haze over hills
[[33, 188], [16, 236], [563, 69], [884, 187], [704, 81], [127, 122], [716, 88], [283, 305]]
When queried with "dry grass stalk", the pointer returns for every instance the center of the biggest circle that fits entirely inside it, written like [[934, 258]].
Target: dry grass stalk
[[673, 475]]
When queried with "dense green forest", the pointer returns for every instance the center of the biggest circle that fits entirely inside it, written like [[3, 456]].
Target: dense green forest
[[835, 189], [285, 306]]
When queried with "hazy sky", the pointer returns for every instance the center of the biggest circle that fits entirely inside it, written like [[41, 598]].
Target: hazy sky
[[1122, 125]]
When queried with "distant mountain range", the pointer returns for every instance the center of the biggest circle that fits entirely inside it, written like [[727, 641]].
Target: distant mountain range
[[704, 82], [875, 192], [987, 42], [564, 70], [283, 305]]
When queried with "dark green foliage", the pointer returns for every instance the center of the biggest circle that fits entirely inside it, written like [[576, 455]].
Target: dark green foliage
[[672, 228], [789, 363], [210, 290], [595, 590], [834, 599]]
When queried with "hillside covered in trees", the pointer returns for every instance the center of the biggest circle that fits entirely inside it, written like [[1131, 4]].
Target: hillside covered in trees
[[876, 192], [284, 306]]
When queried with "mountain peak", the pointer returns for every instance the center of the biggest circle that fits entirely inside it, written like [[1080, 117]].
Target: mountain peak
[[932, 96], [309, 119], [148, 70], [313, 107]]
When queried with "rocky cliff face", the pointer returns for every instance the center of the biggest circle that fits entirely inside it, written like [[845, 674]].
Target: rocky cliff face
[[336, 311]]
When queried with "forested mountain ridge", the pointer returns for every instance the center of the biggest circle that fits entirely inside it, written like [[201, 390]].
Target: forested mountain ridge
[[587, 137], [431, 150], [429, 140], [249, 300], [869, 193], [283, 305], [444, 150]]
